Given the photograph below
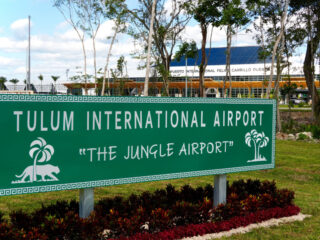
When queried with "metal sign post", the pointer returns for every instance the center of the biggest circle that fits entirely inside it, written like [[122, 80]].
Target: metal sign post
[[220, 190], [86, 202]]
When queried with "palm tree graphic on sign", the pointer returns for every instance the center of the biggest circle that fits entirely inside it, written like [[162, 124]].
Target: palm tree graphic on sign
[[259, 140], [40, 152]]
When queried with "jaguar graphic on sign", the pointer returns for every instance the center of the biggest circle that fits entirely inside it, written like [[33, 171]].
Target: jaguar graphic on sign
[[40, 153]]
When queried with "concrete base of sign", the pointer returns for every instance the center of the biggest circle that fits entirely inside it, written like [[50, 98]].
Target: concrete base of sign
[[86, 202], [220, 189]]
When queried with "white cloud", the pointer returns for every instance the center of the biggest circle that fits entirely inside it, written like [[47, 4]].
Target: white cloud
[[4, 61], [20, 28], [62, 26], [55, 53]]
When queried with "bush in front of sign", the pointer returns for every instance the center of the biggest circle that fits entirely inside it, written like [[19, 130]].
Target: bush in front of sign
[[154, 213], [215, 227]]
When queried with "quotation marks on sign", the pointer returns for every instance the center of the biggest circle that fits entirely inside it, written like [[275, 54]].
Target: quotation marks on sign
[[258, 141], [99, 153], [40, 152], [155, 151]]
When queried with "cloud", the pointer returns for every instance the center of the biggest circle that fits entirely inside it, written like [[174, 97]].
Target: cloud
[[20, 28], [55, 53]]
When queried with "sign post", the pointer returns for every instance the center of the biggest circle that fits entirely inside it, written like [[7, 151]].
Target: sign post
[[220, 189], [86, 202], [52, 143]]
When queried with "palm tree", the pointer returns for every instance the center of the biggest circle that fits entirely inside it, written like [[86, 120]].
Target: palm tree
[[14, 81], [41, 79], [2, 82], [262, 141], [252, 137], [40, 152], [55, 79]]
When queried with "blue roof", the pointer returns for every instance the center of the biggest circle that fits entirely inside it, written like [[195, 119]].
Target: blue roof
[[239, 55]]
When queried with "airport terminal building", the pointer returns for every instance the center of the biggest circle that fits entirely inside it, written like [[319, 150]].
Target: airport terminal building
[[247, 71]]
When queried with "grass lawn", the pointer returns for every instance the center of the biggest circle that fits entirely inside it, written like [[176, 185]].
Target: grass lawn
[[297, 168]]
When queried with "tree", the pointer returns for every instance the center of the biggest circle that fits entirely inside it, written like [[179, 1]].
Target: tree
[[55, 79], [14, 81], [169, 22], [256, 10], [287, 90], [41, 79], [274, 16], [3, 80], [146, 81], [114, 10], [40, 152], [187, 50], [233, 16], [284, 10], [118, 74], [207, 13], [74, 12], [94, 15], [308, 21]]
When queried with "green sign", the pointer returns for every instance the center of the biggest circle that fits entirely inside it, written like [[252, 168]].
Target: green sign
[[51, 143]]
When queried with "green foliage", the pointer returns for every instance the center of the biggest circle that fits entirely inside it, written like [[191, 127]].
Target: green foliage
[[315, 130], [205, 12], [301, 104], [233, 14], [294, 127], [3, 80], [55, 78], [40, 77], [302, 137], [187, 50], [168, 26], [288, 88], [14, 81]]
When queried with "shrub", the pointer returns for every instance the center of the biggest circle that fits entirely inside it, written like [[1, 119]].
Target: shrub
[[147, 214], [315, 130], [302, 137]]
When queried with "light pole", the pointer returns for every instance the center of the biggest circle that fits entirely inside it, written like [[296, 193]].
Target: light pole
[[186, 92], [67, 74]]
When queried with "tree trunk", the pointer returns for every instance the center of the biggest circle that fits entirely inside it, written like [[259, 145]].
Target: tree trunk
[[202, 67], [146, 81], [264, 57], [95, 64], [84, 67], [283, 19], [228, 70], [308, 73], [107, 62], [276, 89]]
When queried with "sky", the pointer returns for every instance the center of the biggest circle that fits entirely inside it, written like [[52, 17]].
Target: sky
[[56, 49]]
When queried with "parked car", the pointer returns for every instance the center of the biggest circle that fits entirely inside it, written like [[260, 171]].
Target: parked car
[[297, 100]]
